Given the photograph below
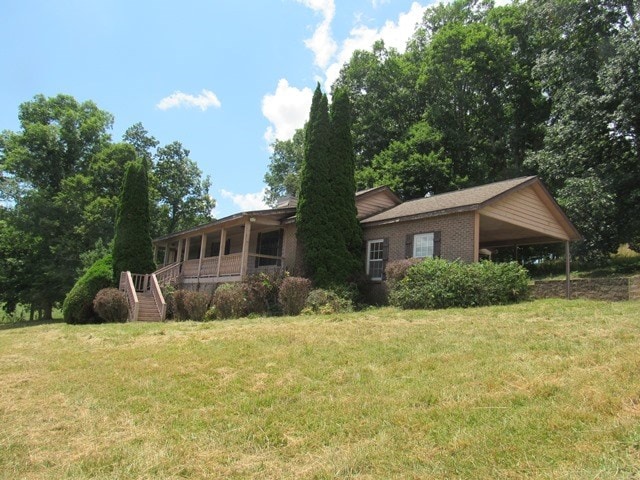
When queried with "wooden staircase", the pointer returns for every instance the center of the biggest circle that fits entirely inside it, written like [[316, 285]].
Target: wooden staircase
[[147, 310]]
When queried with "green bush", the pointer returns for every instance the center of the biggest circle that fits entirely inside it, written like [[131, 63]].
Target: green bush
[[111, 305], [437, 283], [293, 294], [196, 305], [327, 302], [397, 269], [229, 301], [78, 304], [261, 291], [179, 305]]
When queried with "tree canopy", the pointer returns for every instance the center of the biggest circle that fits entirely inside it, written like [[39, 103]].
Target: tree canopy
[[60, 178]]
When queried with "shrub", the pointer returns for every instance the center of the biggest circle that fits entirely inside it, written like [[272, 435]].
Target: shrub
[[229, 301], [168, 292], [78, 304], [261, 291], [111, 305], [293, 294], [196, 305], [327, 302], [436, 283], [397, 270], [179, 305]]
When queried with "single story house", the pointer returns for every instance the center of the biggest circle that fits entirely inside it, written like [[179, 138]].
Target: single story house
[[457, 225]]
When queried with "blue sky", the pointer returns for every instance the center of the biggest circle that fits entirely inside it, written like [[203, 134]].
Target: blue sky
[[224, 77]]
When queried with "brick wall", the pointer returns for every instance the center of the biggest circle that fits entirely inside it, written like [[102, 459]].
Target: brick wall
[[611, 289], [457, 232]]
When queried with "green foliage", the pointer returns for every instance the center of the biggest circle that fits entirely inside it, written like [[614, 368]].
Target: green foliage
[[183, 195], [261, 291], [195, 305], [110, 304], [179, 305], [283, 173], [293, 294], [132, 249], [437, 283], [78, 304], [397, 269], [321, 301], [229, 301], [326, 220]]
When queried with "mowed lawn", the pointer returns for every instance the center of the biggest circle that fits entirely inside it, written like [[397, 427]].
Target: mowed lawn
[[545, 389]]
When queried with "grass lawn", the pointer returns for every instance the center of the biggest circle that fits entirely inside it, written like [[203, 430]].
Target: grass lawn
[[546, 389]]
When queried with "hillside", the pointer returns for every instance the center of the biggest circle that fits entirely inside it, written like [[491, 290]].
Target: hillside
[[547, 389]]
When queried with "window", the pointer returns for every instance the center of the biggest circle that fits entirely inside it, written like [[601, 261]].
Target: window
[[375, 259], [423, 245], [269, 243]]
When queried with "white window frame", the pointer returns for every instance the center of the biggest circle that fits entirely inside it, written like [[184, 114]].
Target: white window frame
[[418, 238], [370, 243]]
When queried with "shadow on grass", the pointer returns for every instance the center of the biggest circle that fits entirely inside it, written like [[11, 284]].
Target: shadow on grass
[[27, 323]]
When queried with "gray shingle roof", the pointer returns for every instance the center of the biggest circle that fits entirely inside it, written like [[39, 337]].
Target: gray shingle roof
[[457, 201]]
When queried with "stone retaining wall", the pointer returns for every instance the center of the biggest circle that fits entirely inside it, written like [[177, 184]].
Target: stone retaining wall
[[612, 289]]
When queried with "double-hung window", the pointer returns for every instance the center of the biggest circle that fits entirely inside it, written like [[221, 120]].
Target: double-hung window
[[375, 259], [423, 245]]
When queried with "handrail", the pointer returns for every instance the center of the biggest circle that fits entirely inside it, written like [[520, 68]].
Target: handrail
[[169, 272], [126, 285], [161, 305]]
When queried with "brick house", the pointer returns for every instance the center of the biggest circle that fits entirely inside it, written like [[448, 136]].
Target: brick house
[[462, 224]]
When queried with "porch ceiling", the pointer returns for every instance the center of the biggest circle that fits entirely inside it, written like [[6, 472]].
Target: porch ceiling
[[498, 233]]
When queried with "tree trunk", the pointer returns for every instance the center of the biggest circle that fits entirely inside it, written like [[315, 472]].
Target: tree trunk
[[48, 311]]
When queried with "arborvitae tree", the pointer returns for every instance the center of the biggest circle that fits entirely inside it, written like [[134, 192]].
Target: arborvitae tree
[[343, 182], [313, 218], [326, 216], [132, 249]]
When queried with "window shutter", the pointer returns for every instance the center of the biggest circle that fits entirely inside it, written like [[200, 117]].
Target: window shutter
[[436, 244], [408, 247]]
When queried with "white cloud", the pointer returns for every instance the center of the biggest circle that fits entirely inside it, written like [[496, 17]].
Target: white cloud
[[321, 43], [377, 3], [246, 201], [205, 100], [394, 34], [287, 109]]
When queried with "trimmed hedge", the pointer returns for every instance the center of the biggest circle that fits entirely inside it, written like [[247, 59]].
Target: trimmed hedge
[[78, 304], [111, 305], [437, 283], [293, 294]]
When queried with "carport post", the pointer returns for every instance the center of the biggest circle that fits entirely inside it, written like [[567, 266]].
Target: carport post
[[567, 268]]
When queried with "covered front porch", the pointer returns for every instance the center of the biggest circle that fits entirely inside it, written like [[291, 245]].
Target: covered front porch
[[227, 250]]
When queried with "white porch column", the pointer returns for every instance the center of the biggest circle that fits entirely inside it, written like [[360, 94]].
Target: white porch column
[[180, 250], [244, 261], [476, 237], [187, 245], [155, 253], [166, 254], [203, 247], [223, 241]]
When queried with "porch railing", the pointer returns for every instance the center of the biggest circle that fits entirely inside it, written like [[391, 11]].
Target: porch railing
[[168, 273], [128, 287], [161, 305], [230, 265]]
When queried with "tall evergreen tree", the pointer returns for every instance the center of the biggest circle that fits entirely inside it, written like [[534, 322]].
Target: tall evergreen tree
[[313, 216], [326, 216], [343, 182], [132, 249]]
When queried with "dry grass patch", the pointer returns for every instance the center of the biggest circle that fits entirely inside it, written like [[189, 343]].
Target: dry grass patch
[[546, 389]]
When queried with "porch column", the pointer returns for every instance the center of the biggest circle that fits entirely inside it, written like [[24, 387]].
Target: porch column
[[223, 241], [179, 251], [187, 246], [244, 260], [567, 269], [155, 253], [203, 246], [476, 237], [166, 254]]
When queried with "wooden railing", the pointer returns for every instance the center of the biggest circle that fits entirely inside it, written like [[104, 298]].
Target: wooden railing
[[129, 289], [157, 296], [208, 267], [168, 273]]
